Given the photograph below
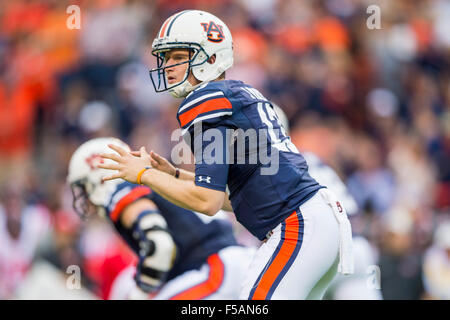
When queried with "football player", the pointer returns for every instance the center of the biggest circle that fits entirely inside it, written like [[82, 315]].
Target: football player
[[355, 286], [182, 254], [305, 230]]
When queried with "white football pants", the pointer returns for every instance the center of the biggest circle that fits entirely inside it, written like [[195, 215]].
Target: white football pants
[[300, 259]]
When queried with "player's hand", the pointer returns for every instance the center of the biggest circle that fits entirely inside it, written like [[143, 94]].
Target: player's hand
[[161, 163], [126, 164], [158, 162]]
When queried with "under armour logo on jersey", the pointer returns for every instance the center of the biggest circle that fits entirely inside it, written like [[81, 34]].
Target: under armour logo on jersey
[[214, 32], [207, 179]]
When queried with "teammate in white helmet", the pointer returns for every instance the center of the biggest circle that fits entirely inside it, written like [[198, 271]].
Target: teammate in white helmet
[[306, 233], [182, 254]]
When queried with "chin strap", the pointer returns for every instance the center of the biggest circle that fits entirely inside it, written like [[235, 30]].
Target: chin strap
[[182, 90]]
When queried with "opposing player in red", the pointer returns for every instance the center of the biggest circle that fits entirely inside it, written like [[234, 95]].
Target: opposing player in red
[[238, 142]]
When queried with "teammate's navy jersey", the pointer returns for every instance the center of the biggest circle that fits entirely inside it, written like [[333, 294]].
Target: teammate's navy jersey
[[195, 236], [237, 140]]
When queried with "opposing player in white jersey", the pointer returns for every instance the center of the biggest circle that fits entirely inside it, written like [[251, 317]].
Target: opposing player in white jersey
[[348, 287], [355, 286], [23, 228], [182, 254]]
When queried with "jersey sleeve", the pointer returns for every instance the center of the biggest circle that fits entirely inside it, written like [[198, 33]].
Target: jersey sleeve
[[210, 149], [125, 194], [208, 105]]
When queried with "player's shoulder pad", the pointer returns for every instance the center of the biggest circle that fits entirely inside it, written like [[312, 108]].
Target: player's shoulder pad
[[125, 194], [209, 102]]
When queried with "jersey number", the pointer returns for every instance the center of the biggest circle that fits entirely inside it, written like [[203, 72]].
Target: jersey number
[[277, 133]]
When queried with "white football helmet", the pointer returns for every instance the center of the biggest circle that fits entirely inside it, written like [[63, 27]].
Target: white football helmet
[[85, 178], [205, 35]]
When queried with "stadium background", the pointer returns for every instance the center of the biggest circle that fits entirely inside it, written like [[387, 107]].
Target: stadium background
[[374, 104]]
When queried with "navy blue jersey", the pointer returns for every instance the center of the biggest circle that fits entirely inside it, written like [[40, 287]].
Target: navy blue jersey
[[238, 140], [195, 236]]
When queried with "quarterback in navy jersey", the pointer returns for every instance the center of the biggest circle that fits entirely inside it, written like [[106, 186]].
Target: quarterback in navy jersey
[[182, 254], [238, 142], [260, 201]]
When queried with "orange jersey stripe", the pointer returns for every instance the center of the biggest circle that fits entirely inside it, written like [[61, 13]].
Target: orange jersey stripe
[[210, 105], [211, 285], [134, 194], [163, 29], [281, 259]]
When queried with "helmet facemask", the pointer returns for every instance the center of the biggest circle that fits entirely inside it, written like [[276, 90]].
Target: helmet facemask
[[81, 203], [90, 193], [197, 56]]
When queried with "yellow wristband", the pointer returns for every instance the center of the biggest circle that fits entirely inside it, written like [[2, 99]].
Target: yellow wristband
[[140, 174]]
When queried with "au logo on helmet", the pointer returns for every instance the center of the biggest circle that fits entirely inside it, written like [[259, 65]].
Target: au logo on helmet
[[94, 160], [213, 31]]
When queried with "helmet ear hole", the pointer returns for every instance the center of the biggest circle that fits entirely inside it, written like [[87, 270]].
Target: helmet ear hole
[[212, 59]]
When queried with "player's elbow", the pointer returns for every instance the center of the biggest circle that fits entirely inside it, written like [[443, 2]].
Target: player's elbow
[[211, 207], [210, 201]]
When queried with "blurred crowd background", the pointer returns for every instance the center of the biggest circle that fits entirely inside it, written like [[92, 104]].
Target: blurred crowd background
[[372, 103]]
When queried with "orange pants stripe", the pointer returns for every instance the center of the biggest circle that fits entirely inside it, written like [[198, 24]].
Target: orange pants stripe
[[208, 287]]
